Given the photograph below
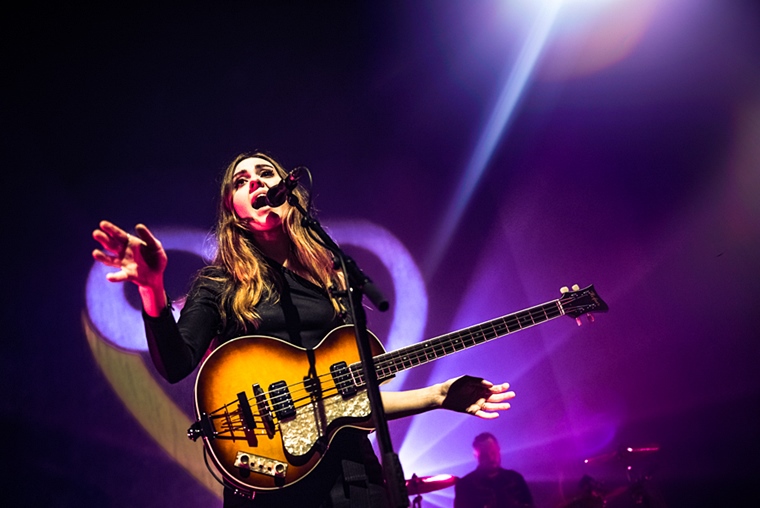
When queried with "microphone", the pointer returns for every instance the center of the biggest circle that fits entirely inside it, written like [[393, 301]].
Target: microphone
[[278, 194]]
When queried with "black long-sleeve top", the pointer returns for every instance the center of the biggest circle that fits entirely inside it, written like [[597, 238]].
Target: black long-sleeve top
[[303, 316]]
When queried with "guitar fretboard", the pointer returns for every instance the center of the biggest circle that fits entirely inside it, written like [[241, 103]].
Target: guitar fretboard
[[388, 364]]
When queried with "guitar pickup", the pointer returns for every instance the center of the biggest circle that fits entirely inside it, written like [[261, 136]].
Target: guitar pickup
[[282, 402], [262, 465], [342, 379], [312, 386]]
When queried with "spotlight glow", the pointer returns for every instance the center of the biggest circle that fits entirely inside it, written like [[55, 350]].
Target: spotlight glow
[[494, 130]]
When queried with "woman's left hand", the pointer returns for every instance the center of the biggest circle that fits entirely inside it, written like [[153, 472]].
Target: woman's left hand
[[475, 396]]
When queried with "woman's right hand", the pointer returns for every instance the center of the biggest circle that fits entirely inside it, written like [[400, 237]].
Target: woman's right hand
[[140, 259]]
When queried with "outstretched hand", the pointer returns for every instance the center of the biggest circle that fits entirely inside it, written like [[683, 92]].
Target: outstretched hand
[[476, 396], [140, 259]]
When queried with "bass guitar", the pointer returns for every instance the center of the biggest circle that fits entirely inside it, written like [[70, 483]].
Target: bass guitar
[[267, 410]]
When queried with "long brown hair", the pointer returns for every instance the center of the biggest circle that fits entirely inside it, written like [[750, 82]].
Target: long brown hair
[[247, 278]]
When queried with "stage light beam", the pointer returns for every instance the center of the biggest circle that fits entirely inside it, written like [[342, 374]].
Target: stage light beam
[[494, 130]]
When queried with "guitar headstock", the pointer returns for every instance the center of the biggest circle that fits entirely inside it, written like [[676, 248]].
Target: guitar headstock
[[577, 302]]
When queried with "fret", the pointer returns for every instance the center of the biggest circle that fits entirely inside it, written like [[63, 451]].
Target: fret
[[492, 333], [359, 379], [388, 364], [524, 320], [500, 329], [513, 325], [486, 333], [353, 372], [425, 351]]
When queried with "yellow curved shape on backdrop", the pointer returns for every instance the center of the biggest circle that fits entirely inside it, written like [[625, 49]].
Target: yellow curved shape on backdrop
[[149, 404]]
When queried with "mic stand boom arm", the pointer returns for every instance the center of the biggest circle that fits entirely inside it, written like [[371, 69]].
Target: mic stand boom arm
[[358, 285]]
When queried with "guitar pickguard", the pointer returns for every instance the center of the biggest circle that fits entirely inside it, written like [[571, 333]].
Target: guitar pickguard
[[300, 434]]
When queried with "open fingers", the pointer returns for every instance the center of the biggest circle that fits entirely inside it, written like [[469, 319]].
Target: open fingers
[[111, 237], [120, 276], [114, 261], [490, 410], [146, 236], [503, 387], [501, 397], [107, 242], [488, 407], [104, 258], [113, 230]]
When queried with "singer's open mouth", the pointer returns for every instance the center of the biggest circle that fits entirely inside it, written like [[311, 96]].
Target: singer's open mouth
[[260, 201]]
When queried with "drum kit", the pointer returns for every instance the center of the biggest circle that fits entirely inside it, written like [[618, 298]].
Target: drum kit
[[594, 494], [637, 489]]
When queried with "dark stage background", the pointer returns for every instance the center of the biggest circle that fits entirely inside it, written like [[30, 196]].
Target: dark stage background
[[631, 160]]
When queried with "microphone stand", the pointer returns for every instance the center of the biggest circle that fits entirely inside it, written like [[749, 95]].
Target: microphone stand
[[358, 285]]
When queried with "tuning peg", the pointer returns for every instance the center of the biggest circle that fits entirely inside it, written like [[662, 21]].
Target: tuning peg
[[578, 320], [590, 317], [576, 287], [564, 289]]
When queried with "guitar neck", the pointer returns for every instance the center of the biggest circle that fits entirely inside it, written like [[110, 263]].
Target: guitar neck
[[388, 364]]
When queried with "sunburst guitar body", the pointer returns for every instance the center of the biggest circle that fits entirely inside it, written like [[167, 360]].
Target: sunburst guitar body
[[267, 410]]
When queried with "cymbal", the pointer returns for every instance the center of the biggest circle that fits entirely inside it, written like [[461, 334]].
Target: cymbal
[[425, 484], [624, 454]]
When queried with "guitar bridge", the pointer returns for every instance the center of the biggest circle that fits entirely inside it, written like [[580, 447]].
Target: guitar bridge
[[262, 465]]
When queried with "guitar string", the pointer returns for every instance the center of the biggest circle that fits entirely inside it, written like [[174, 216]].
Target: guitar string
[[468, 338], [228, 424], [416, 354]]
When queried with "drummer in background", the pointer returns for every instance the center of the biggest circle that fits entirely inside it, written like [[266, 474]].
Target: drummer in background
[[490, 485]]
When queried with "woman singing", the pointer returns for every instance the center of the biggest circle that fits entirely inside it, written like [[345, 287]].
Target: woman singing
[[271, 278]]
